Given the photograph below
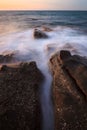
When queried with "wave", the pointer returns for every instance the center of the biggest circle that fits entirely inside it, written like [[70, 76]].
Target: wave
[[60, 38], [26, 48]]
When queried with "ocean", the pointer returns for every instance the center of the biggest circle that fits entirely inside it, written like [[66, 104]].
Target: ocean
[[69, 29], [69, 32], [20, 20]]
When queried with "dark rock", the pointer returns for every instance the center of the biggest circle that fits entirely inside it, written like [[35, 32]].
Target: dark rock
[[19, 97], [64, 55], [7, 58], [69, 91], [39, 34], [4, 68]]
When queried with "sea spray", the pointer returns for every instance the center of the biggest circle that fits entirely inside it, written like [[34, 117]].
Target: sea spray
[[46, 95], [46, 102], [26, 48]]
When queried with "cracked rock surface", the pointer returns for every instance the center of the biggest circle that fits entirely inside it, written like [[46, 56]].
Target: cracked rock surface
[[69, 91], [19, 97]]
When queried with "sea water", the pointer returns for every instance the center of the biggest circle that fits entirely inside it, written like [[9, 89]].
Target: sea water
[[69, 32]]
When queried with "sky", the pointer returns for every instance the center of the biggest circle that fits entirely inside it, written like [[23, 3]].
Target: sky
[[43, 4]]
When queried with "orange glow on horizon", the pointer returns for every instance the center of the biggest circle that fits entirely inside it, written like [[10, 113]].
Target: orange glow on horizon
[[21, 4], [9, 5], [43, 5]]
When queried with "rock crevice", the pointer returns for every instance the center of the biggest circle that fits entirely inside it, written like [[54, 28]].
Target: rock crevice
[[69, 90]]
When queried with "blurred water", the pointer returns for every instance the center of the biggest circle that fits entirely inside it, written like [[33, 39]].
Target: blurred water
[[16, 35], [20, 20]]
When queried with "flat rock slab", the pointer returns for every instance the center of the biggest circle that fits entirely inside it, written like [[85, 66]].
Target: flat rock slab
[[69, 91], [19, 97]]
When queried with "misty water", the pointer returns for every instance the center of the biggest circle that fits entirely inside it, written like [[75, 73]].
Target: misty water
[[16, 36]]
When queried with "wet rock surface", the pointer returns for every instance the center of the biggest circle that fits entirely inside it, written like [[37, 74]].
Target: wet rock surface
[[69, 91], [19, 97], [38, 34], [7, 58]]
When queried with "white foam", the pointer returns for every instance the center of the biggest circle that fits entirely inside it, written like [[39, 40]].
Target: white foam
[[40, 51], [25, 43]]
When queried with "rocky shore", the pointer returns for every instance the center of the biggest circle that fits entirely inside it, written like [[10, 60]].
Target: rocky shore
[[19, 97], [20, 84], [69, 91]]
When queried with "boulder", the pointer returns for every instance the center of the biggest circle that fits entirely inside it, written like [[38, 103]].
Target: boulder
[[38, 34], [69, 91], [19, 97]]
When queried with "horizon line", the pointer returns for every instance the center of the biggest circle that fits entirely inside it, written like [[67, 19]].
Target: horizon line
[[41, 10]]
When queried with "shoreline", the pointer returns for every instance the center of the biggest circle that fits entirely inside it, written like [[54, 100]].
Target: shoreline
[[67, 97]]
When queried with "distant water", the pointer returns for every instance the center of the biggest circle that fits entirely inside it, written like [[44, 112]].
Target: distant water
[[16, 35], [69, 29], [23, 20]]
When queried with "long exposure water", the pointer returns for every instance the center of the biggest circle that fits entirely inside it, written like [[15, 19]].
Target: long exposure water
[[69, 32]]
